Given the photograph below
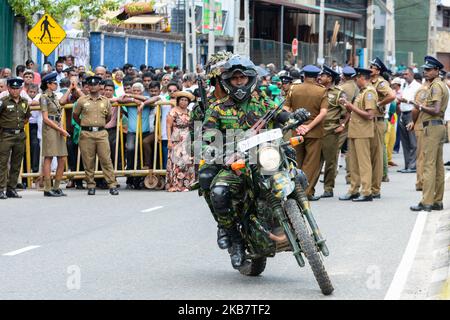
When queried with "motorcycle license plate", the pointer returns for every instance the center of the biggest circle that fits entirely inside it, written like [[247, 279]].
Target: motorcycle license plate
[[260, 138]]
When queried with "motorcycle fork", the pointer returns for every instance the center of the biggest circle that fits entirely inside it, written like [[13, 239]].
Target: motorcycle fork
[[283, 220], [303, 202]]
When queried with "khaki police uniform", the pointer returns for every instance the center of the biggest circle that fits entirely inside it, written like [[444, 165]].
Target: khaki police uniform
[[377, 143], [330, 142], [420, 98], [53, 143], [93, 113], [360, 134], [13, 116], [433, 143], [351, 90], [312, 97]]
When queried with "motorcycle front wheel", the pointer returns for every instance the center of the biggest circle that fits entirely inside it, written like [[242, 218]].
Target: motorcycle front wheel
[[253, 267], [308, 247]]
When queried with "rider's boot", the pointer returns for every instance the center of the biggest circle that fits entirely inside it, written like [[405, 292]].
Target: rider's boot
[[223, 240], [237, 251]]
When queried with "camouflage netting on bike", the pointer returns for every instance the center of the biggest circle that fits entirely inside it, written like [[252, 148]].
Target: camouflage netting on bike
[[257, 237]]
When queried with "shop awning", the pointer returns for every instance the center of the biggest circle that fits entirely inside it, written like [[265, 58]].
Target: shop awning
[[311, 9], [143, 20]]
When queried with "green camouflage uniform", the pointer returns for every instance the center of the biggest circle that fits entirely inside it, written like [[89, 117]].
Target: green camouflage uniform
[[227, 115], [198, 115]]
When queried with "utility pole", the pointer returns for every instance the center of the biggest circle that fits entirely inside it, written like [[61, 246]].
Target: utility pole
[[241, 42], [370, 27], [390, 32], [191, 37], [320, 57], [211, 35], [432, 33]]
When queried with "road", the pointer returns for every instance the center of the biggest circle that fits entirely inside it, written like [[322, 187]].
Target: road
[[159, 245]]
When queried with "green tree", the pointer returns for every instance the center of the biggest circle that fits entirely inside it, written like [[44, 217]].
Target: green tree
[[61, 9]]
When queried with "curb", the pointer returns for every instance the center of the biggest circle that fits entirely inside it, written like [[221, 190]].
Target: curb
[[440, 277]]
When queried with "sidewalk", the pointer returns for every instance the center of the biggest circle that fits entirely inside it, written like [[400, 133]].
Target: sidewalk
[[429, 277], [440, 280]]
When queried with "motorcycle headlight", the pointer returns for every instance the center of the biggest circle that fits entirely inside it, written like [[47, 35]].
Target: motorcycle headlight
[[269, 158]]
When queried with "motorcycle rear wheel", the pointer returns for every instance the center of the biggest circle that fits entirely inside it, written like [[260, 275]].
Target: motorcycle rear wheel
[[308, 247], [253, 267]]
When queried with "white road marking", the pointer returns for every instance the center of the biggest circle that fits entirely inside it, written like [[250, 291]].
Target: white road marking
[[14, 253], [401, 275], [151, 209]]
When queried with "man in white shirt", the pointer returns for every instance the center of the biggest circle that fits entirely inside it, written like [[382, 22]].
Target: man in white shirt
[[407, 137]]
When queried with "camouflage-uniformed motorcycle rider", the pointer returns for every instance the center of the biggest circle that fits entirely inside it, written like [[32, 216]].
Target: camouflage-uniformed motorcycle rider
[[208, 171], [240, 111]]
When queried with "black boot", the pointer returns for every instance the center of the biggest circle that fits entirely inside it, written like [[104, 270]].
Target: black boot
[[12, 193], [223, 240], [51, 193], [3, 195], [237, 251], [60, 192]]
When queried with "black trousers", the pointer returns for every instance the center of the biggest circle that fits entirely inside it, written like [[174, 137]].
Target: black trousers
[[35, 148]]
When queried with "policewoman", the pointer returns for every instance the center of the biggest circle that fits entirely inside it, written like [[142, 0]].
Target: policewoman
[[53, 135], [14, 114]]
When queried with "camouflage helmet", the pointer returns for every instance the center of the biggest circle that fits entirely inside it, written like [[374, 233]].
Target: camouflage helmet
[[214, 66]]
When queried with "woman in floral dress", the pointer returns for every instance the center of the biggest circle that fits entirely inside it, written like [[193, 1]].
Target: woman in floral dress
[[180, 166]]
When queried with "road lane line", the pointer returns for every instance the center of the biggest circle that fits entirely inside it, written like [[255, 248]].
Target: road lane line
[[151, 209], [401, 275], [14, 253]]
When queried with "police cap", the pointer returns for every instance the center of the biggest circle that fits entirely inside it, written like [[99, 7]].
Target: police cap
[[15, 83], [93, 80], [327, 70], [432, 63], [379, 64], [348, 71], [364, 72], [311, 71], [286, 79], [51, 77]]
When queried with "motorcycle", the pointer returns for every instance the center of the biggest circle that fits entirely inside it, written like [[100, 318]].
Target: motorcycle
[[280, 218]]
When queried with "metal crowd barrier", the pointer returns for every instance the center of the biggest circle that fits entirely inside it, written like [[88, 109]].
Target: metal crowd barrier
[[155, 176]]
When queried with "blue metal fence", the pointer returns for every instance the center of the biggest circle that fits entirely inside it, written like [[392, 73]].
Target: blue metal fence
[[115, 50]]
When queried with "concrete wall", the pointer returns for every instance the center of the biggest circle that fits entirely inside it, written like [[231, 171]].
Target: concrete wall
[[21, 45], [411, 28], [443, 41]]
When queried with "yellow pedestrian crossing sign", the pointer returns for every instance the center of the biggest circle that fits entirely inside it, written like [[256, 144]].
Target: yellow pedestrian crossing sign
[[47, 34]]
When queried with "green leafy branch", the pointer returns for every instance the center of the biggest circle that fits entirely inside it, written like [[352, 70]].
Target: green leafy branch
[[62, 9]]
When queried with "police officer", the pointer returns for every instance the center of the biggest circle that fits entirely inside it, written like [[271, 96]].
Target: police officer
[[332, 127], [360, 132], [432, 113], [14, 114], [53, 143], [92, 112], [385, 96], [351, 90], [313, 97], [419, 99], [286, 83]]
